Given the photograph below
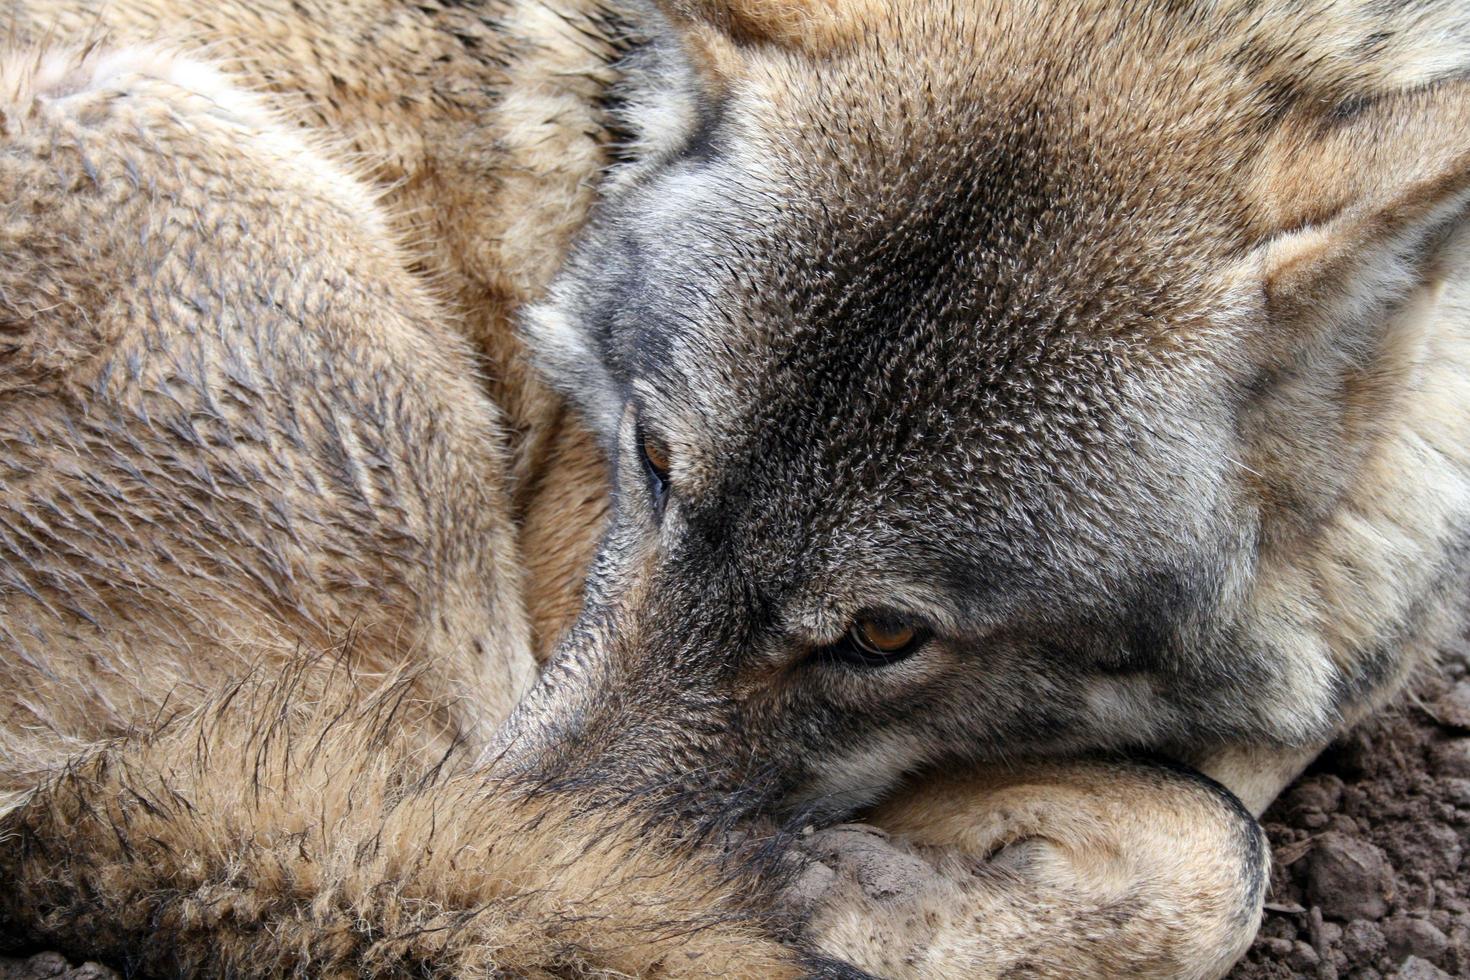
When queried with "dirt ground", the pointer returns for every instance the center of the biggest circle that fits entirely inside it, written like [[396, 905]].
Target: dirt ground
[[51, 966], [1372, 849], [1372, 854]]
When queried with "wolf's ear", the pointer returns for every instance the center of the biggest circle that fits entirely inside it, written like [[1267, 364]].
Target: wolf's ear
[[1363, 203], [809, 24]]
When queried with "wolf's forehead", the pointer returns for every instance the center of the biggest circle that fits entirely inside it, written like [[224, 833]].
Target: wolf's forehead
[[980, 217], [912, 373], [953, 292], [867, 435], [980, 268]]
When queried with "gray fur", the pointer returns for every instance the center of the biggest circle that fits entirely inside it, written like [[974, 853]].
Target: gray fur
[[945, 329]]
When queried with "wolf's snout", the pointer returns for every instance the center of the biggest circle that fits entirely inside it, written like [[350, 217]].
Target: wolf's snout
[[598, 730]]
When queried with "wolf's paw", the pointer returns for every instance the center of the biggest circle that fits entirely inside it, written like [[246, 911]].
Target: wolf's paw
[[856, 856], [1082, 869]]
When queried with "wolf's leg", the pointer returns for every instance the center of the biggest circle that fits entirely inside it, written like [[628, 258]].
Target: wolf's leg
[[1116, 869], [1257, 776]]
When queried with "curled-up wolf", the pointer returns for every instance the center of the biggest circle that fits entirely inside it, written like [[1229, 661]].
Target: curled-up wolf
[[986, 387]]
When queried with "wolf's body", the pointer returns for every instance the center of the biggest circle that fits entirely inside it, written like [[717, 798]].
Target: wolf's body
[[262, 594], [240, 426]]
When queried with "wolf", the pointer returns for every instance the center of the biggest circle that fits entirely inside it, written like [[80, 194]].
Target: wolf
[[998, 380], [263, 594], [958, 386]]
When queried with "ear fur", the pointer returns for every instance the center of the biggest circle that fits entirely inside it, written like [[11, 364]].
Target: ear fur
[[1365, 204]]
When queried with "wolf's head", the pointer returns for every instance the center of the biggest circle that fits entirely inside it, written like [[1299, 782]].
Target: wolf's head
[[985, 377]]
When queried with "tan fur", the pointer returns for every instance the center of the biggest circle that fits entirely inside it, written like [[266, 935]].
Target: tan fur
[[813, 25], [286, 827], [196, 502], [160, 500], [301, 818], [486, 178], [1074, 870]]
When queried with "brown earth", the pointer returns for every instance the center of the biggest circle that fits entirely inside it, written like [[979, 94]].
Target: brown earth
[[1372, 849], [51, 966]]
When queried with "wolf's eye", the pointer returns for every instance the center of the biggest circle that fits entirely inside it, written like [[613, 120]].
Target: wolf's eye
[[873, 641], [655, 454]]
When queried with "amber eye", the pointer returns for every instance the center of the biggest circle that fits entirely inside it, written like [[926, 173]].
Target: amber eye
[[655, 454], [656, 457], [873, 641], [877, 636]]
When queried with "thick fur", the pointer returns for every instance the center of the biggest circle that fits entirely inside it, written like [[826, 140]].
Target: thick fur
[[287, 828], [1061, 870], [479, 125], [236, 430], [191, 472], [1038, 324], [1122, 347]]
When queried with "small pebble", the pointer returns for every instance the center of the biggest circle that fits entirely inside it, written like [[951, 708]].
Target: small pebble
[[1363, 942], [1451, 759], [1303, 956], [52, 966], [1322, 793], [1457, 790], [1414, 937], [1415, 968], [1453, 708], [1348, 878], [1280, 948]]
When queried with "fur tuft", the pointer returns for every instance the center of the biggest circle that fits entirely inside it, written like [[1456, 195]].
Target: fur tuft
[[302, 823]]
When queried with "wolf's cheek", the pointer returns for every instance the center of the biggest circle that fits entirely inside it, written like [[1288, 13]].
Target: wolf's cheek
[[846, 779]]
